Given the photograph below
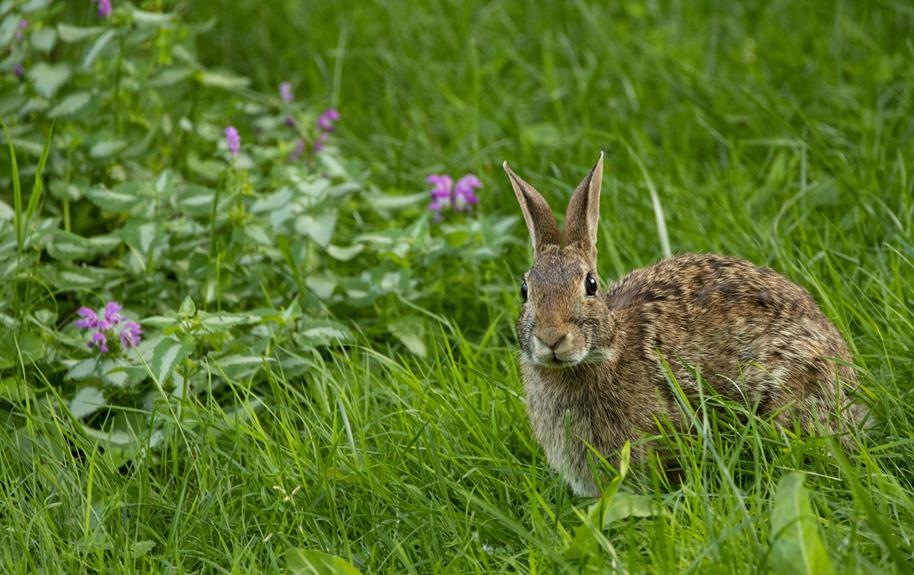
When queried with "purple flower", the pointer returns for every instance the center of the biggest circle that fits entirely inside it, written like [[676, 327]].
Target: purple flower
[[104, 8], [326, 120], [130, 335], [112, 313], [290, 121], [233, 140], [463, 191], [99, 340], [441, 193], [103, 327], [89, 319], [320, 141], [298, 151], [18, 70], [458, 196], [285, 92], [20, 32]]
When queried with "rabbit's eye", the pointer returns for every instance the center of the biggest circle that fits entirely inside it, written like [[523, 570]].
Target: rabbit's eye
[[523, 290], [590, 284]]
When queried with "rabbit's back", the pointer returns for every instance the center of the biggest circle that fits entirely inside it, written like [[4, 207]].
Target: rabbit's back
[[751, 333]]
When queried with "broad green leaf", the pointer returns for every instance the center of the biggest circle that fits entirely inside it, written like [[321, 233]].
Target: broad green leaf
[[83, 369], [322, 285], [222, 321], [381, 201], [44, 39], [795, 543], [24, 347], [278, 200], [411, 333], [170, 77], [345, 253], [66, 277], [143, 17], [225, 80], [110, 439], [13, 389], [188, 307], [47, 79], [324, 332], [107, 148], [141, 548], [318, 227], [87, 401], [312, 562], [67, 246], [71, 104], [168, 353], [196, 201], [77, 34], [258, 234], [116, 200], [142, 236]]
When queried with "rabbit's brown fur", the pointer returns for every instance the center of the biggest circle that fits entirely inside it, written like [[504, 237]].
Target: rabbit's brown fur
[[595, 363]]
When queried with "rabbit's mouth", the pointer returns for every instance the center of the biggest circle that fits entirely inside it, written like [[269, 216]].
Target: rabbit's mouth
[[557, 359]]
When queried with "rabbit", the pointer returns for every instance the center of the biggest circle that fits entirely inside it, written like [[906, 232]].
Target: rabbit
[[594, 361]]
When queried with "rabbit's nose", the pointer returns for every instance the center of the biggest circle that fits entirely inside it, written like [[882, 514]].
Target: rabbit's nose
[[551, 340]]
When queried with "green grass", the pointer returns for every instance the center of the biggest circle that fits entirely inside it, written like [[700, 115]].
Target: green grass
[[774, 131]]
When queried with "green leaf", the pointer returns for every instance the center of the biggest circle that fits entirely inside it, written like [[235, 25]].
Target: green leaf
[[120, 199], [170, 77], [380, 201], [66, 246], [411, 332], [142, 17], [196, 201], [312, 562], [72, 34], [25, 345], [87, 401], [71, 104], [222, 321], [225, 80], [47, 79], [83, 369], [107, 148], [324, 332], [13, 390], [188, 308], [141, 236], [795, 543], [318, 227], [44, 39], [71, 277], [323, 285], [97, 48], [141, 548], [166, 356], [345, 254]]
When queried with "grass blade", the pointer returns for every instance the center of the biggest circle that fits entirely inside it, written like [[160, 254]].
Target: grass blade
[[17, 190], [38, 187]]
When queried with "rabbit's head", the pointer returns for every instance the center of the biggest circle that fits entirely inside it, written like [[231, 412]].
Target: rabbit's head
[[564, 321]]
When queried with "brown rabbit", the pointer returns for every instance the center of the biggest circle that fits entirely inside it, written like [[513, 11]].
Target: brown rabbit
[[593, 360]]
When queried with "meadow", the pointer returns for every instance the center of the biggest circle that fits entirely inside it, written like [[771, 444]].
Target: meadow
[[308, 370]]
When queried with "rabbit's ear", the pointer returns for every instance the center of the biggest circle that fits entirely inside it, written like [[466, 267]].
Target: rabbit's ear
[[537, 213], [584, 210]]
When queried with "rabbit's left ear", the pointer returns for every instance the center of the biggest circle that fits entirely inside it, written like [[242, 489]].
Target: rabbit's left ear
[[584, 211]]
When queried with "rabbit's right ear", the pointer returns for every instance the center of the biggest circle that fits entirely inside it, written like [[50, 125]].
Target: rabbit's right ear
[[537, 213]]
